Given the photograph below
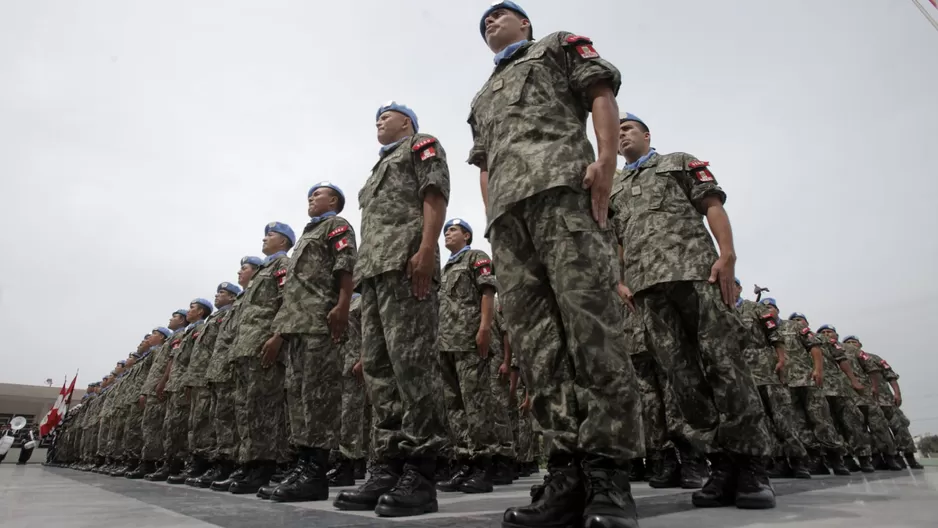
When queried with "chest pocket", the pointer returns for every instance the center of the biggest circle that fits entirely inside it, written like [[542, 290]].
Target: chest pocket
[[266, 288], [308, 251], [457, 281], [504, 90]]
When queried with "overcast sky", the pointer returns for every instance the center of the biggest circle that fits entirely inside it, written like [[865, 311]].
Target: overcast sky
[[144, 146]]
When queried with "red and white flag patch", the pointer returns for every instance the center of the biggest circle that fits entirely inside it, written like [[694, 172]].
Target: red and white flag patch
[[587, 51], [424, 143], [341, 244], [281, 275], [176, 344], [338, 231], [482, 262], [428, 153], [864, 356], [485, 271], [701, 172], [885, 365], [572, 39]]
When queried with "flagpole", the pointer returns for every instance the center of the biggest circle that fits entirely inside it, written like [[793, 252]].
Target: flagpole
[[921, 8]]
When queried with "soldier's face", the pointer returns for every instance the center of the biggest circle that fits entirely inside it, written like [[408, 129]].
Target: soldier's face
[[274, 242], [455, 238], [800, 320], [157, 339], [194, 313], [245, 274], [176, 321], [830, 334], [504, 27], [633, 140], [320, 202], [223, 298], [773, 310], [392, 126]]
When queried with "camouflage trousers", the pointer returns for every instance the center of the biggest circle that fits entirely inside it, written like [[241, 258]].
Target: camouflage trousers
[[899, 425], [476, 415], [881, 440], [557, 278], [176, 425], [524, 428], [91, 442], [661, 417], [260, 413], [152, 426], [813, 420], [849, 422], [314, 390], [132, 441], [501, 388], [698, 340], [103, 430], [224, 424], [201, 434], [355, 430], [776, 400], [115, 436], [399, 359]]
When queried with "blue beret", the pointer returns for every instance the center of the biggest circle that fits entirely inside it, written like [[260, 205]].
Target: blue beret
[[827, 327], [853, 337], [626, 116], [122, 362], [334, 187], [281, 228], [182, 311], [399, 108], [797, 314], [229, 287], [105, 377], [770, 301], [163, 330], [461, 223], [500, 5], [209, 305], [254, 261], [737, 281]]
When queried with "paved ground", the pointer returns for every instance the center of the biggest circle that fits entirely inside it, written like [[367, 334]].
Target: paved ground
[[36, 497]]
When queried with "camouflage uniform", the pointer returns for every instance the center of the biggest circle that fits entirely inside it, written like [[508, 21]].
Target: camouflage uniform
[[842, 399], [119, 414], [201, 433], [220, 378], [557, 266], [260, 413], [898, 422], [761, 357], [698, 340], [399, 331], [133, 425], [155, 410], [864, 367], [812, 416], [500, 386], [354, 431], [467, 377], [176, 420], [314, 364]]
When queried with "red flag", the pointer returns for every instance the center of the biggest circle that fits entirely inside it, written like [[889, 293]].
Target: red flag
[[55, 415]]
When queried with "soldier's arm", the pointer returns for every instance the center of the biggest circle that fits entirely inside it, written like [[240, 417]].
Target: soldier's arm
[[433, 181], [848, 370], [478, 158]]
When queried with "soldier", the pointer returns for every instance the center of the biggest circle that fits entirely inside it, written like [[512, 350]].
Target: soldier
[[685, 294], [467, 313], [201, 435], [403, 207], [890, 399], [804, 372], [220, 377], [547, 206], [843, 385], [176, 420], [309, 327], [356, 409], [259, 367], [133, 424]]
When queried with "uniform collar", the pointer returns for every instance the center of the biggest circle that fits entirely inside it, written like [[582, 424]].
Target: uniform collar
[[315, 220], [195, 324], [455, 256], [387, 149], [270, 258], [640, 161], [508, 51]]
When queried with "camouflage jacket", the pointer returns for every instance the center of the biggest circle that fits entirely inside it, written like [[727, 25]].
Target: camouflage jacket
[[310, 287], [863, 368], [499, 334], [260, 304], [181, 353], [798, 341], [392, 205], [762, 336], [219, 369], [352, 344], [464, 278], [885, 397], [203, 348], [159, 362], [836, 382], [657, 214], [529, 119], [138, 375]]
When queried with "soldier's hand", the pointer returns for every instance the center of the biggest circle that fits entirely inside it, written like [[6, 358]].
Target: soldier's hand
[[857, 386], [271, 350], [723, 273], [484, 341], [526, 404], [780, 369], [141, 402], [898, 400], [504, 370], [598, 180], [358, 370], [420, 271], [818, 378], [626, 295], [160, 387], [338, 322]]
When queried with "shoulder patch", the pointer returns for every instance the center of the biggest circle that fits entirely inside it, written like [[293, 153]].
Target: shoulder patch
[[864, 356], [696, 164], [700, 170], [574, 39], [425, 143], [805, 331], [483, 262], [280, 272], [337, 231], [341, 244], [885, 365]]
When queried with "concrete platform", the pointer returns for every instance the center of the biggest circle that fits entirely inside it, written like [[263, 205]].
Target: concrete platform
[[34, 496]]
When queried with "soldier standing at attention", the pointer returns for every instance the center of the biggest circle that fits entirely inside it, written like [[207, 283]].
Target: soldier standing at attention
[[685, 293], [355, 430], [310, 326], [890, 400], [403, 208], [133, 428], [547, 202], [258, 366], [467, 314]]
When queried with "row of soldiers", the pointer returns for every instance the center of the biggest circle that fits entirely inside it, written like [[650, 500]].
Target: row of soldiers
[[578, 316]]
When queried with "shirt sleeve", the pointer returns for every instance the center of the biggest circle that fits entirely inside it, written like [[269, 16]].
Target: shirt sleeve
[[808, 338], [481, 271], [477, 155], [769, 324], [341, 240], [430, 166], [584, 67], [698, 182]]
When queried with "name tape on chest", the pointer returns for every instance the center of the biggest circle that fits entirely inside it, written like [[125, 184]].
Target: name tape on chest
[[700, 170], [337, 231], [341, 244]]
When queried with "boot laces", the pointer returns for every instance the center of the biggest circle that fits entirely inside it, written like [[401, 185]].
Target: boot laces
[[408, 481]]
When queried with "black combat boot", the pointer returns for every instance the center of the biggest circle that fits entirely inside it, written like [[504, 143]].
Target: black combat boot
[[668, 474], [818, 466], [211, 473], [851, 464], [720, 488], [836, 463], [780, 469], [145, 468], [609, 502], [126, 468], [501, 471], [414, 493], [693, 470], [892, 462], [535, 467], [160, 475], [258, 475], [266, 491], [879, 464], [359, 466], [910, 459], [383, 476], [866, 464], [445, 469], [194, 468], [559, 501], [753, 489], [282, 470], [799, 468], [454, 482], [309, 481], [480, 479], [637, 472], [342, 473], [239, 474]]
